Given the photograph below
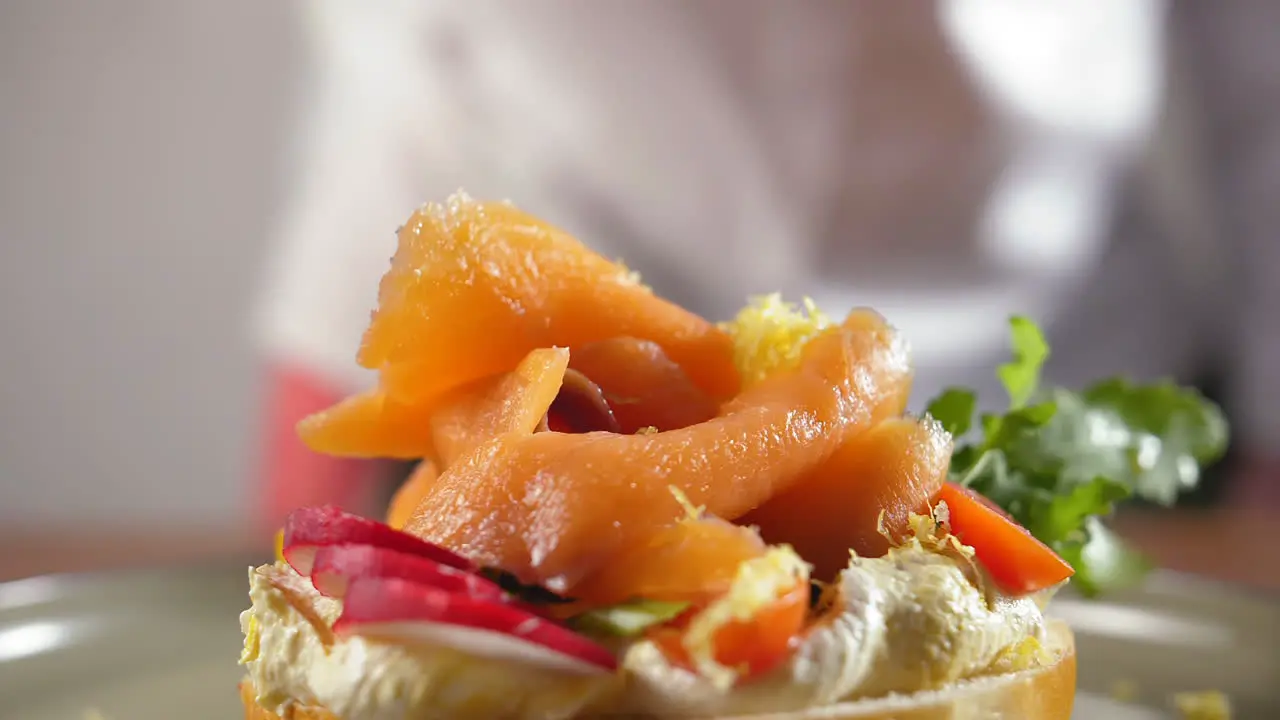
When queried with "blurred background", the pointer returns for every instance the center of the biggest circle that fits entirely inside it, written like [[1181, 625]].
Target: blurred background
[[196, 201]]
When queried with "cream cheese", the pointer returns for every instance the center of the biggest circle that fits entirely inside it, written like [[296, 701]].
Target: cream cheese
[[912, 620], [361, 679]]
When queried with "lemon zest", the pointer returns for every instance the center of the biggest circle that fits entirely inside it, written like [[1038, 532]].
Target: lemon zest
[[758, 583], [769, 334], [692, 512], [629, 276], [1207, 705], [252, 642], [1025, 654]]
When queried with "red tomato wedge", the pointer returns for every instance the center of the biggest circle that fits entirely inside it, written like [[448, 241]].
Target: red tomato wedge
[[753, 646], [1017, 562], [764, 641]]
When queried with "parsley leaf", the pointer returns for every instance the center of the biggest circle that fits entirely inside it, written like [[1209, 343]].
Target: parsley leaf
[[954, 410], [1103, 561], [1021, 376], [1062, 519], [1174, 432], [1058, 461]]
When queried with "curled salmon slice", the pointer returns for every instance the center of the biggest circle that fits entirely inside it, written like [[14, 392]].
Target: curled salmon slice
[[553, 508], [694, 561], [406, 499], [895, 467], [514, 402], [644, 387], [369, 425], [374, 425], [475, 286], [580, 407]]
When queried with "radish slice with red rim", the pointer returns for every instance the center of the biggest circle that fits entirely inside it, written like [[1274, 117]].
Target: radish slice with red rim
[[310, 528], [406, 612], [335, 566]]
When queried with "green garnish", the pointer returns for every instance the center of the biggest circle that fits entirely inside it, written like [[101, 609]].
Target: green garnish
[[628, 619], [1058, 461], [1021, 376]]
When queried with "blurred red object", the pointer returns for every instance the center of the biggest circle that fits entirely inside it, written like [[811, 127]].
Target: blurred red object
[[295, 475]]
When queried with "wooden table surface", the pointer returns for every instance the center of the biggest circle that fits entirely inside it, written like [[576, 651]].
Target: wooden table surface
[[1234, 546], [1238, 547], [39, 551]]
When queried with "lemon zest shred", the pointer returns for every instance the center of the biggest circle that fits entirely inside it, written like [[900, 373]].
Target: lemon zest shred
[[758, 583], [252, 642], [692, 512], [629, 276], [1206, 705], [1025, 654], [769, 334], [882, 529], [279, 545]]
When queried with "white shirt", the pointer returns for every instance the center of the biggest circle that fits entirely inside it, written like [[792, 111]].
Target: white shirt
[[732, 147]]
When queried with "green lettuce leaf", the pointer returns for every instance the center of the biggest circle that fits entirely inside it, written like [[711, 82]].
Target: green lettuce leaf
[[628, 619]]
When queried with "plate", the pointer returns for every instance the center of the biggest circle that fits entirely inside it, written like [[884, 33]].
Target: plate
[[162, 644]]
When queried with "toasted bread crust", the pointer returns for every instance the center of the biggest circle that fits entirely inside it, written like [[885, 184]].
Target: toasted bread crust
[[254, 711], [1046, 693]]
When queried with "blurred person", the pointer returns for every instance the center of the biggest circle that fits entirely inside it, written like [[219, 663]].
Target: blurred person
[[948, 164]]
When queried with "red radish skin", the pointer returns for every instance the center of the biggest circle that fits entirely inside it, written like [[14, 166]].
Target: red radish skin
[[401, 610], [335, 566], [310, 528]]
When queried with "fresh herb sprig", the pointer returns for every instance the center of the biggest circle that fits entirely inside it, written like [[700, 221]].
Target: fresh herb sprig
[[1058, 461]]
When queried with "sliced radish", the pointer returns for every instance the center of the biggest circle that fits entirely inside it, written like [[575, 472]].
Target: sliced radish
[[402, 610], [335, 566], [310, 528]]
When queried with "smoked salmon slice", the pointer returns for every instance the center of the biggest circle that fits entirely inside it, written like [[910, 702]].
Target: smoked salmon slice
[[553, 508], [694, 561], [475, 286], [515, 402], [896, 466], [369, 425], [643, 386], [373, 425], [406, 499]]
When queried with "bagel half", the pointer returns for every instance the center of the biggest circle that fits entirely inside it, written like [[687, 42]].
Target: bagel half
[[1043, 693]]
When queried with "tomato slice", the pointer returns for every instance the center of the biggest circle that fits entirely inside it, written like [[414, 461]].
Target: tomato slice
[[1017, 562], [763, 642], [754, 646]]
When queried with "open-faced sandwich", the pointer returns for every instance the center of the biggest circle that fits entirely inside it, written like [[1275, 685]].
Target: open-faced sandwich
[[624, 510]]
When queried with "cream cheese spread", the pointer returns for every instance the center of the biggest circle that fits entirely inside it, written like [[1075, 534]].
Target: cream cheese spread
[[358, 678], [912, 620]]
